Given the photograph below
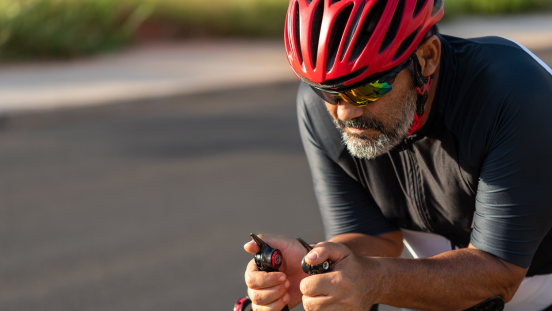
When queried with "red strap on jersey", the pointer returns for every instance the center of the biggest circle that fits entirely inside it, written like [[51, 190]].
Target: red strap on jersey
[[416, 124]]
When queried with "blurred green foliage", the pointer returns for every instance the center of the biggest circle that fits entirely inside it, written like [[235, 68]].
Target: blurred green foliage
[[462, 7], [66, 28], [61, 28], [222, 17]]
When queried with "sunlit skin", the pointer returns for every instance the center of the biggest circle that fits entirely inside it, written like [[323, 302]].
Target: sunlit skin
[[381, 109], [429, 56], [366, 269], [272, 291]]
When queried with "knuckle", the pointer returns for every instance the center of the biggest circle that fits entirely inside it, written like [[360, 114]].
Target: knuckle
[[304, 287], [307, 305], [348, 302], [265, 308], [250, 294], [256, 297], [249, 280], [336, 279], [270, 307], [310, 304]]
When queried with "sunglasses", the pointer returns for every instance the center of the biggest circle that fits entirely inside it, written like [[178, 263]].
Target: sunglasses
[[368, 93]]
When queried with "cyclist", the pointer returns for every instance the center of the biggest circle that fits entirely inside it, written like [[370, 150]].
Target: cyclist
[[412, 135]]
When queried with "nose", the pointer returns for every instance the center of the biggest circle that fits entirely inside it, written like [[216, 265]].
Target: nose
[[346, 111]]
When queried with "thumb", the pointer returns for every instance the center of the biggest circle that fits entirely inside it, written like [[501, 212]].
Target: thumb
[[251, 247], [327, 250]]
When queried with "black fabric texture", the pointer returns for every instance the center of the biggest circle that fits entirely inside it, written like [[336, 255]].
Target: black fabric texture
[[482, 158]]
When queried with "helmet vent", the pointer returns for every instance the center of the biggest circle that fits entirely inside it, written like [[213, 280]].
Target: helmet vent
[[393, 27], [298, 33], [419, 6], [352, 30], [309, 1], [406, 44], [437, 6], [337, 33], [340, 82], [315, 32], [368, 27], [334, 2]]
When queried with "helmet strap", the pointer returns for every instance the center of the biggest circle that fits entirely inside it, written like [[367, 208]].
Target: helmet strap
[[423, 84]]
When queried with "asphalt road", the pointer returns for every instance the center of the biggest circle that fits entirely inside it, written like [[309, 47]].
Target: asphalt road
[[147, 206]]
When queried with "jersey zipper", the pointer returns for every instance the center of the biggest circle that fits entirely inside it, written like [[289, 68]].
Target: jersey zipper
[[420, 206]]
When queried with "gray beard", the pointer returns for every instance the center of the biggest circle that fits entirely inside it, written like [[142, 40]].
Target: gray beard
[[363, 148]]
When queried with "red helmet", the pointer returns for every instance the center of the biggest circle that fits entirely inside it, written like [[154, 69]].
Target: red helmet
[[338, 43]]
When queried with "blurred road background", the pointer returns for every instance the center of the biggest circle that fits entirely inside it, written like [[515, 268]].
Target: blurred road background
[[131, 180]]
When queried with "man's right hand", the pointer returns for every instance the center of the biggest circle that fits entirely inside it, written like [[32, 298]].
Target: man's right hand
[[272, 291]]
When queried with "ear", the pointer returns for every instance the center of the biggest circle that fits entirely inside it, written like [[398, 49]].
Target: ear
[[429, 54]]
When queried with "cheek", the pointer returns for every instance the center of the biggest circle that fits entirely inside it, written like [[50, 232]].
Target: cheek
[[332, 109]]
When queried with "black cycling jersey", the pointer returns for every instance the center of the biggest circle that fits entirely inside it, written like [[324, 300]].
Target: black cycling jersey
[[478, 172]]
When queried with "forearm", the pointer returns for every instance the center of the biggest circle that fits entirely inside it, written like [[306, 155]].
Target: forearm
[[454, 280], [385, 245]]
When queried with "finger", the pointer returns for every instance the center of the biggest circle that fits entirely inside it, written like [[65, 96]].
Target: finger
[[268, 295], [252, 247], [277, 305], [320, 284], [317, 303], [256, 279], [327, 250]]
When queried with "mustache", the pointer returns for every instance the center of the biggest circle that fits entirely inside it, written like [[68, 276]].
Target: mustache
[[362, 122]]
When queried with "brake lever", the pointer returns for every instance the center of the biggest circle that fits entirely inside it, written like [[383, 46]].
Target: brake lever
[[267, 259], [313, 269]]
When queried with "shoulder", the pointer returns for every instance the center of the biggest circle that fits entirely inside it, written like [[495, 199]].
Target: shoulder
[[316, 123], [495, 88], [491, 64]]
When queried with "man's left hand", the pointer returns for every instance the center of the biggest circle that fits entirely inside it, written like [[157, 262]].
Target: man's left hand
[[354, 282]]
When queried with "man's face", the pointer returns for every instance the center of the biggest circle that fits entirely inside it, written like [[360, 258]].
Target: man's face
[[377, 128]]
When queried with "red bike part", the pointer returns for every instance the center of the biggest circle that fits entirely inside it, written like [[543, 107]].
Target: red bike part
[[277, 259], [243, 304]]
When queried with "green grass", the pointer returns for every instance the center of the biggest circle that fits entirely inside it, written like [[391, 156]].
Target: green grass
[[68, 28]]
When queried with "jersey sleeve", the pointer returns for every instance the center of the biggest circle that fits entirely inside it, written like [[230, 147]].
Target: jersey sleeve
[[346, 207], [514, 195]]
